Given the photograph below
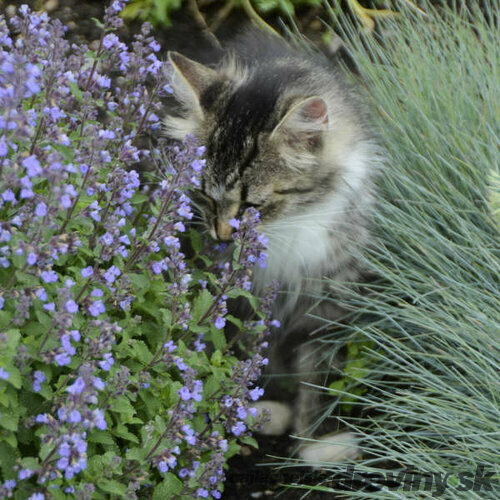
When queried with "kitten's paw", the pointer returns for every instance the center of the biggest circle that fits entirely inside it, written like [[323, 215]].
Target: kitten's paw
[[280, 418], [330, 448]]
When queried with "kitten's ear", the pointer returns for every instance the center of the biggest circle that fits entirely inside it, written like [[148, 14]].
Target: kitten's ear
[[190, 76], [189, 80], [304, 123]]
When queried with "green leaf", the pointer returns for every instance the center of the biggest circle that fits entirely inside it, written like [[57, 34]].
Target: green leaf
[[235, 321], [136, 454], [101, 437], [201, 304], [196, 242], [9, 455], [140, 281], [122, 432], [75, 90], [122, 405], [140, 350], [168, 488], [250, 441], [14, 376], [112, 486], [9, 419], [238, 292], [218, 338]]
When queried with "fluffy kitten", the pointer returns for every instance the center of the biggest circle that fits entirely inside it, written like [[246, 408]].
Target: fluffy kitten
[[283, 133]]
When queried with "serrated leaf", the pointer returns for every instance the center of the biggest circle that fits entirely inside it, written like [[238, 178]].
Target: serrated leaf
[[136, 454], [122, 405], [218, 338], [201, 304], [140, 281], [140, 351], [122, 432], [101, 437], [75, 90], [112, 486], [14, 376], [168, 488], [9, 455], [9, 419]]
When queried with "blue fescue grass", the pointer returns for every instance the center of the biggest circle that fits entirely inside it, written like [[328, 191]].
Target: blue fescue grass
[[430, 324]]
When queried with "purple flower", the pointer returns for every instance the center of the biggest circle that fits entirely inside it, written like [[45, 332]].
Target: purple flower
[[37, 496], [96, 308], [41, 209], [220, 322], [238, 428], [62, 359], [235, 223], [107, 239], [99, 420], [111, 274], [107, 362], [202, 492], [110, 40], [162, 466], [154, 46], [75, 335], [50, 306], [77, 387], [9, 484], [38, 379], [71, 306], [49, 276], [41, 294], [256, 393], [87, 271], [170, 346], [66, 344], [4, 374], [31, 259], [98, 383], [25, 474], [26, 193], [3, 147], [185, 393], [42, 418], [8, 195], [74, 417], [32, 166], [189, 435], [65, 201]]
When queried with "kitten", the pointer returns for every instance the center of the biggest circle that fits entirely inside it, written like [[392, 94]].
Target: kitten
[[283, 133]]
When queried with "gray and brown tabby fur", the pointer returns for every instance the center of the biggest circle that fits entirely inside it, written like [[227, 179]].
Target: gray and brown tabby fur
[[283, 133]]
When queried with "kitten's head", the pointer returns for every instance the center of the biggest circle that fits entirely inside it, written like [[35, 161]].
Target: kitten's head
[[263, 141]]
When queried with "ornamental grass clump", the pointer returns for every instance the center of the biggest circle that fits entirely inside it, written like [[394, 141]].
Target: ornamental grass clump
[[116, 377], [426, 394]]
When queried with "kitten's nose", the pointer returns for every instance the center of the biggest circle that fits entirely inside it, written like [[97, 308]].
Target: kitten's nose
[[224, 230]]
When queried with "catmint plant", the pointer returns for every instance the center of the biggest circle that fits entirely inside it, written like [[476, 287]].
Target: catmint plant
[[116, 374]]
